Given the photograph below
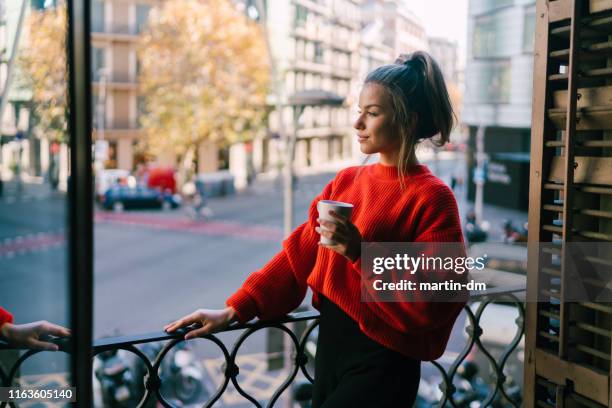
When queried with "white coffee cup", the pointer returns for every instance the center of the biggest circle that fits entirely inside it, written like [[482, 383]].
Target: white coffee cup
[[325, 206]]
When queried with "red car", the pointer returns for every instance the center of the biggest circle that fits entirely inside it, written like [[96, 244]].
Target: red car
[[162, 179]]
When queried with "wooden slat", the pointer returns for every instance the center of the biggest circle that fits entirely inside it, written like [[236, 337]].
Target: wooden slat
[[594, 27], [553, 186], [596, 6], [554, 208], [594, 52], [604, 262], [595, 190], [585, 143], [594, 329], [592, 352], [551, 293], [553, 228], [598, 73], [589, 118], [595, 96], [597, 306], [589, 170], [591, 213], [595, 235], [551, 271], [550, 250], [596, 213], [548, 336], [557, 11], [549, 314], [587, 381]]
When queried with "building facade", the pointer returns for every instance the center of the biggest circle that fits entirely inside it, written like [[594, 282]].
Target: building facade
[[402, 29], [115, 29], [21, 152], [445, 52], [498, 90], [315, 45]]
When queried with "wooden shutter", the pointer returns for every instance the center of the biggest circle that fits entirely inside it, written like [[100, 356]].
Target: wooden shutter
[[568, 346]]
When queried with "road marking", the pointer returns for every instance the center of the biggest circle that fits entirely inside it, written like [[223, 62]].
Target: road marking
[[22, 245], [206, 227]]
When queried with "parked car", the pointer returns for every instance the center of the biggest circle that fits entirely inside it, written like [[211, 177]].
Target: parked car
[[120, 197], [107, 178]]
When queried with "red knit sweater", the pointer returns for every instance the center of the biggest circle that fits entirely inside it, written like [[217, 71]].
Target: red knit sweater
[[5, 317], [426, 211]]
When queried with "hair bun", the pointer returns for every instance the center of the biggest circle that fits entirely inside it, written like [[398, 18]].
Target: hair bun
[[403, 59]]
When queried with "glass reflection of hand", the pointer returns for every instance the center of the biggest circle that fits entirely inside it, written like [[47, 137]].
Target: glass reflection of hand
[[33, 335]]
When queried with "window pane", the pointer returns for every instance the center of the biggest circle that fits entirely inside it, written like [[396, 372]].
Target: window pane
[[34, 171], [142, 16], [529, 31], [97, 16]]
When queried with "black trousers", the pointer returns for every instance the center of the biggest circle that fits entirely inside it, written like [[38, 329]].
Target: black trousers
[[354, 371]]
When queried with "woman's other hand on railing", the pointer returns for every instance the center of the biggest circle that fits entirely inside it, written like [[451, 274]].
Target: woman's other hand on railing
[[210, 321], [33, 335]]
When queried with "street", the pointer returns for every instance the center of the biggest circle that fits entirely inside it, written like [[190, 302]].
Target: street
[[154, 266]]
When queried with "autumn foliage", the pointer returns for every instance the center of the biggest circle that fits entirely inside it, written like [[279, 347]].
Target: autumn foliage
[[42, 69], [204, 75]]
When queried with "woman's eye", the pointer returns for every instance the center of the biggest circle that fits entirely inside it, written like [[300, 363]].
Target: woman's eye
[[372, 114]]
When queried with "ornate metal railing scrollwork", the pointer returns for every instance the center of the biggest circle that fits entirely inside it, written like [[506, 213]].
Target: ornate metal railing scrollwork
[[153, 382]]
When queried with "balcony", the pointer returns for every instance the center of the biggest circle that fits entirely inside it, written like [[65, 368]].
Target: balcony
[[115, 32], [499, 388], [117, 83]]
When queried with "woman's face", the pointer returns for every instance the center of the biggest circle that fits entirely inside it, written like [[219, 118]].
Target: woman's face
[[376, 132]]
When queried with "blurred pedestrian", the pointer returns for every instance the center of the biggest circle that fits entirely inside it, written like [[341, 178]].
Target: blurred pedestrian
[[368, 353]]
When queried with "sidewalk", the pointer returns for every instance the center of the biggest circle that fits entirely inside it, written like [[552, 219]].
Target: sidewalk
[[26, 191]]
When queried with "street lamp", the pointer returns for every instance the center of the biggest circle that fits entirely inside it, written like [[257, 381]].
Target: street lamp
[[101, 145], [298, 101]]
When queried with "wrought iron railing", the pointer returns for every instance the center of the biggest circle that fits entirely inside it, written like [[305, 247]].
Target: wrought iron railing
[[153, 382]]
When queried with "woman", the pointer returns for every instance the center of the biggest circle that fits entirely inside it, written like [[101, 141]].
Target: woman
[[368, 353]]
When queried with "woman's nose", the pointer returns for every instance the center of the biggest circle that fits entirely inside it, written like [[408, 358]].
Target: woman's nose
[[358, 124]]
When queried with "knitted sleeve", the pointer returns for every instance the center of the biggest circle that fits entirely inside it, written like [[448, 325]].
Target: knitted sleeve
[[438, 223], [280, 286], [5, 317]]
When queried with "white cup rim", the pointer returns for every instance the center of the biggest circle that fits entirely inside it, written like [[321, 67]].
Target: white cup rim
[[336, 203]]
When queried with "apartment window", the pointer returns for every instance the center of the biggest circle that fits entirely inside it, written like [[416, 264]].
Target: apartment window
[[141, 106], [97, 16], [488, 5], [142, 16], [299, 81], [43, 4], [318, 54], [299, 49], [495, 83], [98, 62], [488, 36], [301, 15], [529, 30]]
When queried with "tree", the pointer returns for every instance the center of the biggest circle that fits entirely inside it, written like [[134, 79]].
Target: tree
[[42, 70], [204, 75]]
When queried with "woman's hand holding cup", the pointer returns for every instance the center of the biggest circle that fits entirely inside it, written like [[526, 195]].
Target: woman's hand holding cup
[[338, 233]]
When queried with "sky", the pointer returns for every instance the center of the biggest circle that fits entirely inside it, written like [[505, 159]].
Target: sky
[[443, 18]]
